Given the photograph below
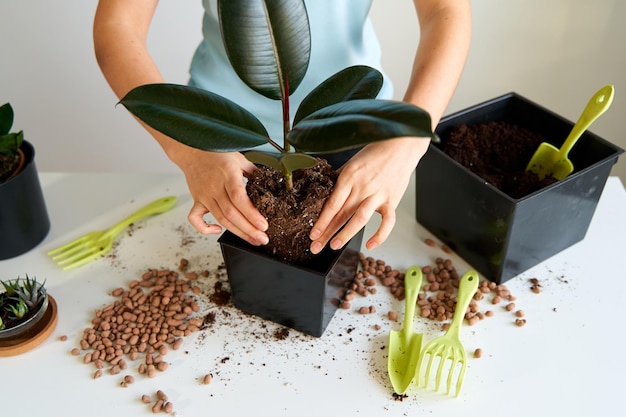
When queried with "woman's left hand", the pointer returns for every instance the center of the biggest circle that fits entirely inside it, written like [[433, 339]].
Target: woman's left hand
[[373, 180]]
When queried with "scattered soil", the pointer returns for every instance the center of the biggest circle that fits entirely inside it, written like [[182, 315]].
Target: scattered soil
[[291, 214], [220, 296], [241, 333], [498, 152], [281, 333]]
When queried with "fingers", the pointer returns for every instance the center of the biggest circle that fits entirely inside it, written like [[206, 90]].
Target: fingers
[[358, 221], [374, 180], [353, 224], [239, 207], [196, 219], [238, 214], [329, 221], [216, 184], [249, 234], [388, 221], [228, 215]]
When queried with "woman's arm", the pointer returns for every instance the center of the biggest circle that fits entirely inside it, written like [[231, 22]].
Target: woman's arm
[[120, 33], [376, 178], [445, 35], [215, 180]]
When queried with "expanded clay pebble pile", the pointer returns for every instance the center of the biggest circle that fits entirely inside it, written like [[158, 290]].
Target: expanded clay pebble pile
[[438, 295], [148, 318]]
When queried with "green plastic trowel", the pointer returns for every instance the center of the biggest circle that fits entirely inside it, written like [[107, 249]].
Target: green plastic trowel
[[405, 346], [550, 161]]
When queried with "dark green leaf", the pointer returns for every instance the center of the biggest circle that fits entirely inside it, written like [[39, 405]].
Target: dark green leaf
[[268, 43], [6, 118], [352, 83], [358, 122], [196, 117]]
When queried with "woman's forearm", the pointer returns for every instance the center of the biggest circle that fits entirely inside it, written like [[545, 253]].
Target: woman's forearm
[[445, 34], [120, 42], [120, 33]]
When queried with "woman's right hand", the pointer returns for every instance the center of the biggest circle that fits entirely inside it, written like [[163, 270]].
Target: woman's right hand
[[216, 183]]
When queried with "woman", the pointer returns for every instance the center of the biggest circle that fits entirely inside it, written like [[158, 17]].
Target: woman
[[373, 180]]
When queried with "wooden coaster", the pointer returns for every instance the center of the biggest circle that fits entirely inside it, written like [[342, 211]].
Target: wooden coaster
[[35, 336]]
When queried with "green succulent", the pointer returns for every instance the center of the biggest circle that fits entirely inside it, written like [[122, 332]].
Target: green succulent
[[17, 310], [10, 287], [19, 297], [268, 44], [31, 292]]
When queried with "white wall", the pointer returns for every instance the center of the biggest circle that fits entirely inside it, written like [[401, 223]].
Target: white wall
[[554, 52]]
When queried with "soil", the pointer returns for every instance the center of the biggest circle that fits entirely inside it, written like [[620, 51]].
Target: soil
[[291, 214], [498, 152], [8, 164], [220, 296]]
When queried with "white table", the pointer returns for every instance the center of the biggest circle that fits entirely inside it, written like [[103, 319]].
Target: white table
[[565, 361]]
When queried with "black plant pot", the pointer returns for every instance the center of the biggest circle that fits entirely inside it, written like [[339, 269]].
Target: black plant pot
[[498, 235], [24, 220], [301, 296]]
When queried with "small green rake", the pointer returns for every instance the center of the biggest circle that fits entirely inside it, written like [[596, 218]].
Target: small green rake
[[95, 244], [448, 348]]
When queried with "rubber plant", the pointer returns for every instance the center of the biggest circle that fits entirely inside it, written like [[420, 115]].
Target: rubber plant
[[268, 43], [10, 156]]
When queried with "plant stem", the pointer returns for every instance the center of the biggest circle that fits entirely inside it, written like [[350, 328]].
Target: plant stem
[[286, 119], [288, 181], [275, 145]]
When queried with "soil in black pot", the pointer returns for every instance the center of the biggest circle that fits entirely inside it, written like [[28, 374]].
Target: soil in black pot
[[8, 165], [498, 152], [291, 214]]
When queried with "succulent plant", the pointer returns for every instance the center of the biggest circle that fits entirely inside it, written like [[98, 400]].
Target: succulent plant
[[17, 310], [20, 297], [31, 292]]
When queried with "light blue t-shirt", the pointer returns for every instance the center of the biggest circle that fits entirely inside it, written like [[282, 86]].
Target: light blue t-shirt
[[342, 35]]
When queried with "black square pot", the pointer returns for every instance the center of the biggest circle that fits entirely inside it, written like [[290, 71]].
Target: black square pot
[[498, 235], [301, 296], [24, 220]]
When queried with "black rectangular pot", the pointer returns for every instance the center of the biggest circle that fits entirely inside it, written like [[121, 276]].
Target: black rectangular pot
[[498, 235], [301, 296]]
